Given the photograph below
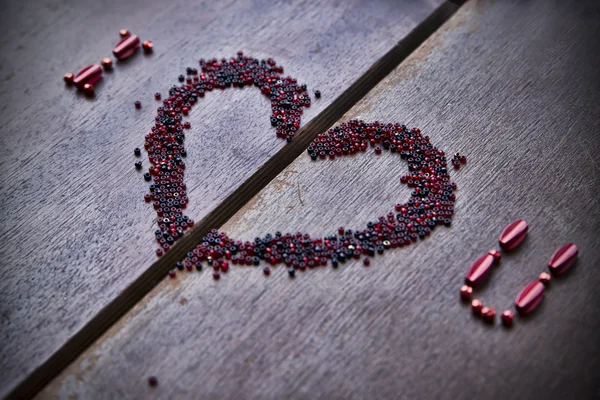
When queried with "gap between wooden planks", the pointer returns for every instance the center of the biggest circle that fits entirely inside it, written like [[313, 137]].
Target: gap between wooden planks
[[156, 272]]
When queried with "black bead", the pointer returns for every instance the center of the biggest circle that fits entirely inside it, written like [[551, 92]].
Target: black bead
[[181, 78], [292, 272], [138, 165], [179, 265], [317, 94], [147, 176], [199, 266], [137, 152]]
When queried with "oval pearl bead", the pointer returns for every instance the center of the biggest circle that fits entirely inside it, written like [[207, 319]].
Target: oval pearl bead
[[563, 259], [126, 47], [89, 75], [513, 234], [530, 297], [480, 269]]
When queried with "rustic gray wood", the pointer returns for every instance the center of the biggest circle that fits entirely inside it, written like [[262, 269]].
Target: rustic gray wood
[[514, 86], [74, 228]]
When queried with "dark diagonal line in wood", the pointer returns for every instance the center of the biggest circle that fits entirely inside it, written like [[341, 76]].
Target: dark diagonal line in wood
[[129, 297]]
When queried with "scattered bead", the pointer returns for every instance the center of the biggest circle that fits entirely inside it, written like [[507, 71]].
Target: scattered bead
[[126, 47], [172, 273], [317, 94], [88, 75], [507, 318], [124, 33], [488, 314], [68, 78], [107, 63], [147, 176], [476, 306], [545, 278], [138, 165], [266, 271], [366, 261], [513, 235], [529, 297], [152, 381], [496, 254], [88, 89], [157, 96], [147, 46], [138, 104], [466, 292], [137, 152], [479, 270], [563, 259]]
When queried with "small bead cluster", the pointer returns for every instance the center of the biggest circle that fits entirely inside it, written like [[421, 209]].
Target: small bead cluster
[[431, 202], [90, 75], [458, 160], [529, 298]]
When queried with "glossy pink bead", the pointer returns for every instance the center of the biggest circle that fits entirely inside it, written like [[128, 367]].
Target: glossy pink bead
[[530, 297], [89, 75], [513, 234], [480, 269], [126, 47], [563, 259]]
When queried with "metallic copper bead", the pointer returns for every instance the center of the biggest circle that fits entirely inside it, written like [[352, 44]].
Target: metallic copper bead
[[88, 89], [476, 306], [69, 78], [107, 63], [496, 254], [488, 314], [544, 277], [124, 33], [507, 317], [466, 292], [148, 46]]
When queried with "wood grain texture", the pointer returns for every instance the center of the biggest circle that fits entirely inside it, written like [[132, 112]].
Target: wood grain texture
[[75, 231], [498, 82]]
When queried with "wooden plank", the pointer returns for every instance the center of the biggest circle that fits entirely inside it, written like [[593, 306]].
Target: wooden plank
[[499, 83], [76, 233]]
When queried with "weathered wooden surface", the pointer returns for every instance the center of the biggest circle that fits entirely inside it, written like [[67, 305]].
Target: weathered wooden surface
[[75, 230], [514, 85]]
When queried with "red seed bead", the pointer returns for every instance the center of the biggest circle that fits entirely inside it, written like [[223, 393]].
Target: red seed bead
[[159, 252], [545, 278], [107, 63], [216, 276], [266, 271], [147, 46], [138, 104], [377, 150], [124, 33], [476, 306], [507, 317], [488, 314], [152, 381], [157, 96], [68, 78], [88, 89], [496, 254], [366, 261], [172, 273], [466, 292]]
